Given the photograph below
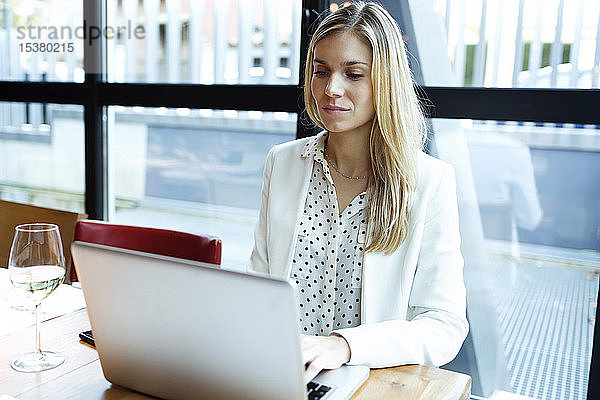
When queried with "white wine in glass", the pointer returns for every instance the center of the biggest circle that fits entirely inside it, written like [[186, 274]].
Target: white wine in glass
[[36, 266]]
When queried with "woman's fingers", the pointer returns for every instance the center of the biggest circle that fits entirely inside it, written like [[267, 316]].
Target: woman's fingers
[[309, 350], [312, 369], [310, 353], [322, 352]]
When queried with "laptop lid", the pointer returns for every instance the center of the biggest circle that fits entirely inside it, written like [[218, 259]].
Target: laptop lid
[[182, 329]]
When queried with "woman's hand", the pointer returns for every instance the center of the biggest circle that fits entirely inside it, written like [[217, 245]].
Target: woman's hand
[[323, 352]]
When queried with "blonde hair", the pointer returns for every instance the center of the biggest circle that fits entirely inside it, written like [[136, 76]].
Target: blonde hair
[[399, 130]]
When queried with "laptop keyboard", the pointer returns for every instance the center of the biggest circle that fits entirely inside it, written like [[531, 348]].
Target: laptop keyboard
[[316, 391]]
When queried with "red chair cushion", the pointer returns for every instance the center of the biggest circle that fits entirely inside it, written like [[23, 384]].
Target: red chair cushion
[[164, 242]]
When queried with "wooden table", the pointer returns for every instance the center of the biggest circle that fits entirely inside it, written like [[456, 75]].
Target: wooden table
[[80, 377]]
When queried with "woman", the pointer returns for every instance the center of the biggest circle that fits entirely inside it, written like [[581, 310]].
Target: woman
[[358, 216]]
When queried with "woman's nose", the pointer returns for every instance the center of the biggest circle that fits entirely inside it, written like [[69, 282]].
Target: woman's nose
[[334, 87]]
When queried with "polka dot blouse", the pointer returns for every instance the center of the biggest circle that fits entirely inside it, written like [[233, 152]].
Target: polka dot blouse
[[327, 263]]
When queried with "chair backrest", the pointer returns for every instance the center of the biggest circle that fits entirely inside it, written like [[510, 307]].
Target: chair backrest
[[13, 214], [189, 246]]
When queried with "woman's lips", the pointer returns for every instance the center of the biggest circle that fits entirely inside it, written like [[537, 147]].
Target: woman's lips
[[334, 109]]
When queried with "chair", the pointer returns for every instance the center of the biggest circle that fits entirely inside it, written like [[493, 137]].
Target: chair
[[13, 214], [195, 247]]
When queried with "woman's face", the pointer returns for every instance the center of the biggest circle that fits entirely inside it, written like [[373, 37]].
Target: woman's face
[[341, 83]]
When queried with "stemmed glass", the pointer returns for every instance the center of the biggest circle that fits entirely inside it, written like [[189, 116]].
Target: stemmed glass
[[36, 266]]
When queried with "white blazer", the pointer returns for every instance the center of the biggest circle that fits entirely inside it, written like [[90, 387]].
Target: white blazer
[[413, 306]]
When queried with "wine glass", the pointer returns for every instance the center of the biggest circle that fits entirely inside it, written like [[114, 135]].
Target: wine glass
[[36, 267]]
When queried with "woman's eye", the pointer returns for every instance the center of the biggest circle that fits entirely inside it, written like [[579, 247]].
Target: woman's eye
[[320, 73], [354, 75]]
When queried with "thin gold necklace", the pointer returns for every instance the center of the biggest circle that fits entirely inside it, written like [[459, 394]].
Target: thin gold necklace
[[340, 172]]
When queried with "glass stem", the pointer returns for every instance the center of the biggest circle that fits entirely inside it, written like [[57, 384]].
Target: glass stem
[[38, 346]]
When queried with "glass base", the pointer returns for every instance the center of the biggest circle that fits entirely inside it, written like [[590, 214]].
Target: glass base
[[35, 362]]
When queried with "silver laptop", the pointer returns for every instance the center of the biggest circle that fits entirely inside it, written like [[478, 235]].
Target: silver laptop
[[179, 329]]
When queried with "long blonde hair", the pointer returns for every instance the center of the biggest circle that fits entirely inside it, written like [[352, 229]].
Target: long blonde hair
[[399, 130]]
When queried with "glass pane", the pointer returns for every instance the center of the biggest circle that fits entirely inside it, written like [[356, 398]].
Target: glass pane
[[41, 40], [530, 226], [42, 155], [515, 43], [193, 170], [204, 41]]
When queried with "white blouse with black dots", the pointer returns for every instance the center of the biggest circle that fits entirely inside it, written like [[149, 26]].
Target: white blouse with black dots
[[327, 261]]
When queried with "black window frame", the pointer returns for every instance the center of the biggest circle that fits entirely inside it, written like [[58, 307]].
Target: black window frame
[[578, 106]]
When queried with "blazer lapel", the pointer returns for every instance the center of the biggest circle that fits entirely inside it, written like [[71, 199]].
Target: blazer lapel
[[290, 179]]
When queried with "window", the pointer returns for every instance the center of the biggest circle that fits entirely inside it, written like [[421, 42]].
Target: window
[[180, 53], [193, 170], [526, 43], [42, 40], [526, 161], [529, 224], [42, 160], [190, 41]]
